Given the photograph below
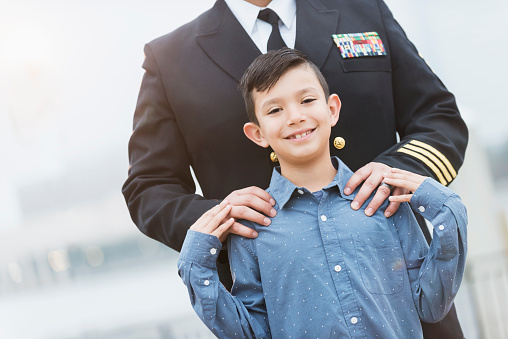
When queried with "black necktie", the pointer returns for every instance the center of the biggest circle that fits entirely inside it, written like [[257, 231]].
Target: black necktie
[[275, 41]]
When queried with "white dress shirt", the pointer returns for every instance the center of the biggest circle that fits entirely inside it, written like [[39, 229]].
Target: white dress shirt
[[259, 30]]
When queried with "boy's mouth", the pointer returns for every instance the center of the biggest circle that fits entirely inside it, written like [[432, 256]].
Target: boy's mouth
[[300, 134]]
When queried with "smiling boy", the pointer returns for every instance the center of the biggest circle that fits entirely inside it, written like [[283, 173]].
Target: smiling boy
[[322, 270]]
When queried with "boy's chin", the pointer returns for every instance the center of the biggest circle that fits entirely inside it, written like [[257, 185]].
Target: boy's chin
[[300, 157]]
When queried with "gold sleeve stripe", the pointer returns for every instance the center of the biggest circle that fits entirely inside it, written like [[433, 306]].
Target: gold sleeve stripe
[[431, 157], [438, 154], [426, 162]]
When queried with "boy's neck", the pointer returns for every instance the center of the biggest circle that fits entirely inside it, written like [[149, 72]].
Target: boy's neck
[[313, 174]]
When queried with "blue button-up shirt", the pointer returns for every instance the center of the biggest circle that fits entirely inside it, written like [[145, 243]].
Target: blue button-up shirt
[[324, 270]]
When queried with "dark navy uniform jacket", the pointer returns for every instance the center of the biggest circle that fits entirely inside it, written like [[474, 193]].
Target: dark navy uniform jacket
[[190, 112]]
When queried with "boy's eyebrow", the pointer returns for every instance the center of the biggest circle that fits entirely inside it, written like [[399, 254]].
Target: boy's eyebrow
[[300, 92]]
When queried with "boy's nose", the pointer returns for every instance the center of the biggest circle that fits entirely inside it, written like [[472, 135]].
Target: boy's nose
[[295, 116]]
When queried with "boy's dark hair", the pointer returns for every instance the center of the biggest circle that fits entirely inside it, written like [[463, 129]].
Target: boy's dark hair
[[266, 70]]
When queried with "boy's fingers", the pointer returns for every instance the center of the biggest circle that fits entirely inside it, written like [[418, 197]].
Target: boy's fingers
[[204, 220], [214, 222], [220, 232], [401, 198], [402, 174], [398, 170], [409, 185], [247, 213]]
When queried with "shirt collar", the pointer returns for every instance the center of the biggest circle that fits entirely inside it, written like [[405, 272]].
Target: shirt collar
[[282, 189], [247, 13]]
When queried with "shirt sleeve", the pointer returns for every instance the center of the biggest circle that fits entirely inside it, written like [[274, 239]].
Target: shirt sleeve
[[435, 272], [433, 135], [240, 314]]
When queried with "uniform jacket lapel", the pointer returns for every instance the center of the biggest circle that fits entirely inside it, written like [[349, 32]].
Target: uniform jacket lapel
[[220, 34], [315, 25]]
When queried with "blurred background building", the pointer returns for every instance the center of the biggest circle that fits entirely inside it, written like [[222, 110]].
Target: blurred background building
[[72, 264]]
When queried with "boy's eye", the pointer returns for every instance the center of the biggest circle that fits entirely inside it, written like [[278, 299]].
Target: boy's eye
[[274, 110], [306, 101]]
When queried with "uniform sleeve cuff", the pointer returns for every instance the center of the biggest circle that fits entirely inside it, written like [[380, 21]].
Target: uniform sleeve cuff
[[201, 248], [429, 198]]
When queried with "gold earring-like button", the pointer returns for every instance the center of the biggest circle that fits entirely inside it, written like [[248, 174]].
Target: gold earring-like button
[[339, 142], [273, 157]]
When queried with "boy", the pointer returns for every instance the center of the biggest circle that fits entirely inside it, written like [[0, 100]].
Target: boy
[[322, 270]]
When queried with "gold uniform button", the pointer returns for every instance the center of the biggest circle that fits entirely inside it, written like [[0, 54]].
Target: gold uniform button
[[339, 143], [273, 157]]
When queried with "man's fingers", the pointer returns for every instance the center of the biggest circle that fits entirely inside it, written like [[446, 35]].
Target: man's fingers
[[367, 188], [382, 193], [255, 203], [247, 213], [242, 230], [254, 190], [255, 198], [394, 205], [356, 179]]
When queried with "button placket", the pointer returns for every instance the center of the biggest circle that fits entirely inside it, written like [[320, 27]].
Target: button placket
[[342, 282]]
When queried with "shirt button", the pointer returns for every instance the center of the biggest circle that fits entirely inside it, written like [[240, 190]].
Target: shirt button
[[441, 227], [337, 268], [354, 320], [323, 217], [421, 209], [300, 191], [213, 251], [207, 282]]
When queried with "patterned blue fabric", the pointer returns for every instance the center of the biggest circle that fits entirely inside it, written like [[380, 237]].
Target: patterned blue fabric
[[323, 270]]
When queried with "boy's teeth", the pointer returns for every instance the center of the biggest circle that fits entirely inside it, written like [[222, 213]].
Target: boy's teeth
[[298, 136]]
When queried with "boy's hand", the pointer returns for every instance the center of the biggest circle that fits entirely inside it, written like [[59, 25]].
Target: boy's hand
[[372, 175], [253, 204], [403, 179], [212, 222]]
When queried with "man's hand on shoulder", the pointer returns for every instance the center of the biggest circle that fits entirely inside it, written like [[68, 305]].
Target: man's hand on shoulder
[[253, 204], [371, 175]]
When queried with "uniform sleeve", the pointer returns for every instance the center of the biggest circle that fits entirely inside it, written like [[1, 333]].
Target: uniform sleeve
[[433, 136], [159, 190], [240, 314], [435, 273]]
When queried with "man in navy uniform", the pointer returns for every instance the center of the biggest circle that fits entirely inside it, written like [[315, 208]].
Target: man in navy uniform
[[190, 114]]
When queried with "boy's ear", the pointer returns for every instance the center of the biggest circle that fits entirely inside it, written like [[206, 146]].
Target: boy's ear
[[334, 105], [253, 132]]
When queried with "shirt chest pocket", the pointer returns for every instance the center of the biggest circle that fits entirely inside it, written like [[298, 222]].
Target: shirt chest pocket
[[380, 261]]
